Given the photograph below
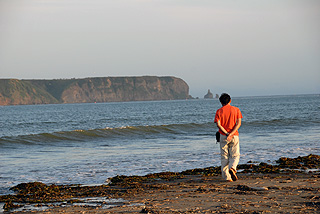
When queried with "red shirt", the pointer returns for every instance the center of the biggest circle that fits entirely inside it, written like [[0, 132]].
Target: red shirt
[[228, 116]]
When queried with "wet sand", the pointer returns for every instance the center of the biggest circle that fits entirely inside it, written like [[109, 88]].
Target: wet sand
[[193, 191]]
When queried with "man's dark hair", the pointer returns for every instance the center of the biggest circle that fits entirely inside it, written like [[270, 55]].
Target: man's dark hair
[[224, 98]]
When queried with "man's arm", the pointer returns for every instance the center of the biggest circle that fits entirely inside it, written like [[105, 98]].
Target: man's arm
[[235, 128], [221, 127]]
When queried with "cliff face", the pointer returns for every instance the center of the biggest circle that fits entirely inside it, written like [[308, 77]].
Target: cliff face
[[104, 89], [17, 92]]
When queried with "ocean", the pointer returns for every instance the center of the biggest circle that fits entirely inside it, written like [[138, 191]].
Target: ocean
[[90, 142]]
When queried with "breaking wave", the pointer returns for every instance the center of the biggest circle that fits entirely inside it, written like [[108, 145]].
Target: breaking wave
[[152, 131], [107, 133]]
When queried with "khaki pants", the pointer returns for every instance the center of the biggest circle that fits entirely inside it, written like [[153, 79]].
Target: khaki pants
[[230, 155]]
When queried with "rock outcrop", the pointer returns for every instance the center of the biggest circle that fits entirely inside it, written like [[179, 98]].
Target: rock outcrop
[[209, 95], [88, 90]]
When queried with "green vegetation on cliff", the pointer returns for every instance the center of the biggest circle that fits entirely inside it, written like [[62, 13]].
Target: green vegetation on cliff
[[100, 89]]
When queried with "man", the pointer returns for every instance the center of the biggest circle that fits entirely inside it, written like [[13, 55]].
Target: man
[[228, 120]]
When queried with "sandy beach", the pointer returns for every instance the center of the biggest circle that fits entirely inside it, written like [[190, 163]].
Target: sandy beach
[[261, 188], [290, 193]]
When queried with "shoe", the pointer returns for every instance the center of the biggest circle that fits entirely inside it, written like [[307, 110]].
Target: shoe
[[233, 174]]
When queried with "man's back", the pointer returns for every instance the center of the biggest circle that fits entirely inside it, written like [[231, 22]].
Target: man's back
[[228, 116]]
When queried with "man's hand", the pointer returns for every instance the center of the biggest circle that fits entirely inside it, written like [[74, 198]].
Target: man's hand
[[229, 138]]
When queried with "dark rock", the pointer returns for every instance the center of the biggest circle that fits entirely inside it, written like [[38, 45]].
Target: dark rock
[[147, 210], [209, 95]]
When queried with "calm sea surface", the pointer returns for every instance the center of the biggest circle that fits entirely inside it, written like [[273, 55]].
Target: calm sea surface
[[87, 143]]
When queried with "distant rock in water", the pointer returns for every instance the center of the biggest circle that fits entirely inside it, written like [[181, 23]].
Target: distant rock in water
[[209, 95], [89, 90]]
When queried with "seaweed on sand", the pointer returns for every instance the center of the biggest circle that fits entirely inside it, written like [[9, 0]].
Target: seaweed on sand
[[284, 165], [37, 192]]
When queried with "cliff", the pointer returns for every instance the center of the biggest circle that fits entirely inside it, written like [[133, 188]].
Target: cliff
[[17, 92], [88, 90]]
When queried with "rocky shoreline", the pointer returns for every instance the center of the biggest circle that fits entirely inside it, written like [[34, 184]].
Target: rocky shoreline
[[289, 186]]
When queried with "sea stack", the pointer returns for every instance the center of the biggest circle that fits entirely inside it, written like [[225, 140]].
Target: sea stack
[[209, 95]]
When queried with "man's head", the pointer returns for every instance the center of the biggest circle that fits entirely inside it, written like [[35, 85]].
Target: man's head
[[224, 99]]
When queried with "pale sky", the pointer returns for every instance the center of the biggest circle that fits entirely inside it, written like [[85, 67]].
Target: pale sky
[[247, 47]]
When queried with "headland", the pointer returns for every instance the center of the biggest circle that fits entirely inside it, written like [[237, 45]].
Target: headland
[[92, 90]]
